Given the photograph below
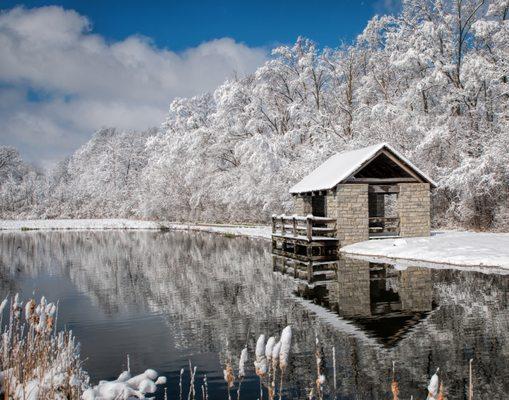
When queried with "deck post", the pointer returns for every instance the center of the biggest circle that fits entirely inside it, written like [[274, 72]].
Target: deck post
[[273, 224], [283, 225], [309, 251], [294, 226], [309, 228]]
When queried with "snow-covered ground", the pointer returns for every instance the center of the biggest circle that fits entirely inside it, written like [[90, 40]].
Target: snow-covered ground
[[78, 224], [260, 231], [471, 249], [453, 248], [100, 224]]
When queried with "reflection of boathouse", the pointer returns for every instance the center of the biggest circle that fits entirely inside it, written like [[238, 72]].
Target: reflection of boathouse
[[373, 192], [381, 300]]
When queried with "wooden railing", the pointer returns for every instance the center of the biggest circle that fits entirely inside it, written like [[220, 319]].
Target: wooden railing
[[308, 227], [384, 225]]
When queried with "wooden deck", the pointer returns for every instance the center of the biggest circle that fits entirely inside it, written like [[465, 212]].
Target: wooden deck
[[305, 239], [305, 248]]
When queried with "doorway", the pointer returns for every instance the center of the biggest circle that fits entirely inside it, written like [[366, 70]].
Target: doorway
[[383, 213]]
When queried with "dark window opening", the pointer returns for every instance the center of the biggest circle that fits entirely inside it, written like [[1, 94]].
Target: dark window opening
[[318, 206]]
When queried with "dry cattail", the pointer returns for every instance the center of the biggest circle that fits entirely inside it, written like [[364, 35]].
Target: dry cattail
[[286, 341], [395, 390], [470, 380], [260, 361], [16, 307], [2, 305], [320, 366], [180, 383], [334, 367], [229, 377], [268, 348], [433, 385], [242, 363], [441, 395], [275, 355], [29, 310]]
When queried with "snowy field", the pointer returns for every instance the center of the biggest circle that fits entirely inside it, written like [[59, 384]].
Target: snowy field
[[451, 248]]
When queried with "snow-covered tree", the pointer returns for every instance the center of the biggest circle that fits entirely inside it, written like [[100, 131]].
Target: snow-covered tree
[[432, 80]]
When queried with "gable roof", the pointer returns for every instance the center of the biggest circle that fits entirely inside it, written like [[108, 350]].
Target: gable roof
[[342, 165]]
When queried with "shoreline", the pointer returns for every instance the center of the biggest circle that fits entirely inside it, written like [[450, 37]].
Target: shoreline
[[473, 251]]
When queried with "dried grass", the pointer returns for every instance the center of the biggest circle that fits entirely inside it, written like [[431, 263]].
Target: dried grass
[[36, 362]]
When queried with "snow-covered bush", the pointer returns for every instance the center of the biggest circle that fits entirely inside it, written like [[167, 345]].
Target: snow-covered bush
[[126, 387], [36, 362]]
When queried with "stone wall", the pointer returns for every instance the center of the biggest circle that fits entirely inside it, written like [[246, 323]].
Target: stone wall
[[301, 205], [331, 205], [414, 209], [352, 213]]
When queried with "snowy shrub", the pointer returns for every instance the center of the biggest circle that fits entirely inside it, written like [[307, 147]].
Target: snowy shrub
[[36, 362]]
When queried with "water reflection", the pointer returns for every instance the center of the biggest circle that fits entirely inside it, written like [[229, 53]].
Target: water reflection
[[385, 302], [168, 297]]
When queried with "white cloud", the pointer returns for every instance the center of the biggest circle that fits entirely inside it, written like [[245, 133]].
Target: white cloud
[[87, 83]]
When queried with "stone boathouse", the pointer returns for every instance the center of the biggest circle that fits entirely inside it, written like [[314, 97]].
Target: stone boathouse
[[371, 192]]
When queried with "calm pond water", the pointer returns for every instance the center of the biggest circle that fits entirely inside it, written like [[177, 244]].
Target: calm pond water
[[166, 298]]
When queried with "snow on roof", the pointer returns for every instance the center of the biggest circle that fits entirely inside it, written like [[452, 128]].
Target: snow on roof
[[340, 166]]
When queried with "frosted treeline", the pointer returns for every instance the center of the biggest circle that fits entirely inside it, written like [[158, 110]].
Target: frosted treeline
[[432, 81]]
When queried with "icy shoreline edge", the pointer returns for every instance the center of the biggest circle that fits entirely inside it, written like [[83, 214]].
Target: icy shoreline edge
[[484, 252]]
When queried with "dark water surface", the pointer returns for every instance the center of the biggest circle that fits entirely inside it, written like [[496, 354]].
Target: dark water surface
[[166, 298]]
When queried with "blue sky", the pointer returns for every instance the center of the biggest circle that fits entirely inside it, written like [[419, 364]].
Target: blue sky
[[181, 24], [68, 68]]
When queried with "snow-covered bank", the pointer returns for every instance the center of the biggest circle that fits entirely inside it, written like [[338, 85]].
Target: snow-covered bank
[[260, 231], [452, 248], [78, 224], [102, 224]]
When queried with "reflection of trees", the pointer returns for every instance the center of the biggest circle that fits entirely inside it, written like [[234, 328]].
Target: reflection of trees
[[215, 290]]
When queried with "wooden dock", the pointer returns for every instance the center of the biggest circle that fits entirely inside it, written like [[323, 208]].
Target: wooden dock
[[305, 248]]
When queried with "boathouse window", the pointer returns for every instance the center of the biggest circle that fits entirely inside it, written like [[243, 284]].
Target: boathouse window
[[318, 206]]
